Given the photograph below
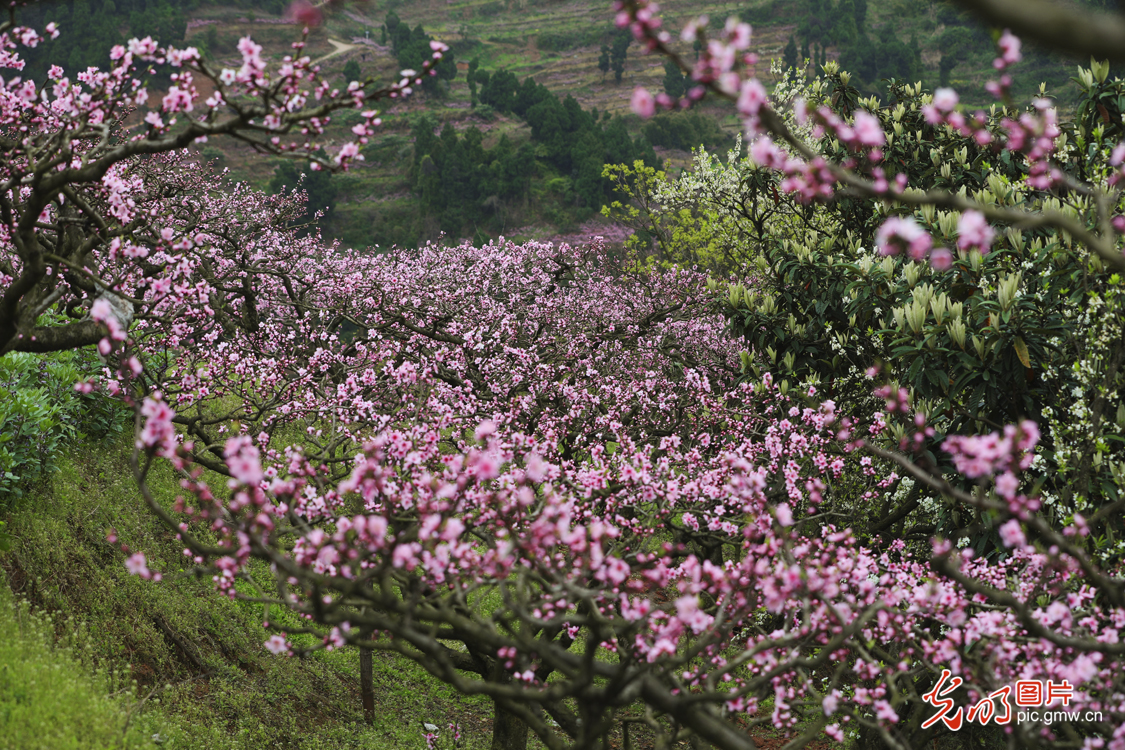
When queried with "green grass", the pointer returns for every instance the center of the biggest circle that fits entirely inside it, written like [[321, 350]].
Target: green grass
[[200, 656], [49, 699]]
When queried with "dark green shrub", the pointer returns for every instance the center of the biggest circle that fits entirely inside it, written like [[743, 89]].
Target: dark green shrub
[[40, 411]]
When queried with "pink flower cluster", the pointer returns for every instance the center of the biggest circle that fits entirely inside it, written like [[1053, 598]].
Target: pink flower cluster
[[986, 455]]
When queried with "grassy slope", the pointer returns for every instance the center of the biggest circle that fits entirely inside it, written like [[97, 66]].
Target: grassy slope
[[196, 657], [212, 684], [50, 698], [92, 658]]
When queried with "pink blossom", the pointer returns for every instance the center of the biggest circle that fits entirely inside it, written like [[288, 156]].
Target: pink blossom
[[484, 430], [1011, 533], [137, 565], [304, 13], [767, 153], [1118, 155], [885, 712], [868, 131], [178, 100], [243, 460], [898, 232], [1006, 485], [945, 100], [158, 432], [643, 104], [941, 259], [751, 97], [974, 231], [536, 468], [784, 515], [1009, 48], [738, 33]]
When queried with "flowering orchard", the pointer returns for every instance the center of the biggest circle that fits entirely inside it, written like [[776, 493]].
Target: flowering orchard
[[556, 480], [81, 218], [545, 432]]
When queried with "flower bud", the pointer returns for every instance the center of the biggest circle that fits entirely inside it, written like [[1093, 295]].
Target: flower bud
[[956, 330], [888, 266], [939, 304], [911, 271], [1100, 70], [979, 346]]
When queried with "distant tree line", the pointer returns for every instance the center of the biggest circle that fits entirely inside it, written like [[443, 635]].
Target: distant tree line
[[461, 183], [872, 53], [686, 131], [466, 185], [868, 53]]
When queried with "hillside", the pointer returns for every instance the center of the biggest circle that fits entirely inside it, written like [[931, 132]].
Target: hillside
[[559, 44], [171, 665]]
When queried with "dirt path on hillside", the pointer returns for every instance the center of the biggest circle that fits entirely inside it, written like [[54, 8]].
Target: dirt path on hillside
[[341, 48]]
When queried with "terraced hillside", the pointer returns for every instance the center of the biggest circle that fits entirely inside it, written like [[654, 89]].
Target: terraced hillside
[[558, 43]]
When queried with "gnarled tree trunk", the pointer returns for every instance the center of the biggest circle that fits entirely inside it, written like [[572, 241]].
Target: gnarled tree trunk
[[508, 732]]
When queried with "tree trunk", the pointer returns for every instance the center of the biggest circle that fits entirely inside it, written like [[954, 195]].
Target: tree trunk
[[508, 731], [366, 687], [698, 743]]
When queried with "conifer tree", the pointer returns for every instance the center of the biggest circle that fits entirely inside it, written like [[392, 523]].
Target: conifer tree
[[791, 53], [675, 84]]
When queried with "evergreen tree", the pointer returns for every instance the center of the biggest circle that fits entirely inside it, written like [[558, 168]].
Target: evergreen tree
[[471, 78], [81, 57], [791, 53], [529, 94], [621, 41], [845, 31], [411, 48], [352, 71], [317, 185], [211, 39], [675, 83], [588, 159], [954, 41], [499, 90], [603, 60], [861, 16], [447, 68]]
